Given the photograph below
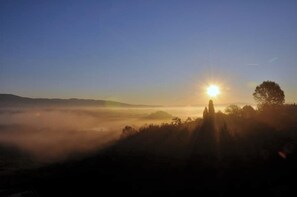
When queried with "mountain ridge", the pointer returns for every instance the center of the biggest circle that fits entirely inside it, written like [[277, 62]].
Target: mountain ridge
[[11, 100]]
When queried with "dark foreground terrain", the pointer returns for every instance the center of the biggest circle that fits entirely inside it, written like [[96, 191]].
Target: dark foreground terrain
[[242, 154]]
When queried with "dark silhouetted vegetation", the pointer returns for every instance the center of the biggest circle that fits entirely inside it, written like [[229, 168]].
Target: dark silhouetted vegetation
[[242, 152], [269, 93]]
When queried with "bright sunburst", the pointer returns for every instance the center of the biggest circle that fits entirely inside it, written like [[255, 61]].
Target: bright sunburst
[[213, 90]]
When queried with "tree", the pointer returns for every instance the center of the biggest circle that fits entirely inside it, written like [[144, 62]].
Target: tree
[[233, 110], [188, 120], [128, 131], [176, 121], [248, 111], [269, 93]]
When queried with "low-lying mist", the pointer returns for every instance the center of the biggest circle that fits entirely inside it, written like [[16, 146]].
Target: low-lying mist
[[54, 134]]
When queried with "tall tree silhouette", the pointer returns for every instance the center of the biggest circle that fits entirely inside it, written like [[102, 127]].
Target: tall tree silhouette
[[269, 93]]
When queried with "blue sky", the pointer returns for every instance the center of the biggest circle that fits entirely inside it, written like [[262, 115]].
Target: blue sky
[[148, 52]]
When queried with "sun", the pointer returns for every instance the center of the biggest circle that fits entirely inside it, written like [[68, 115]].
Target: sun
[[213, 90]]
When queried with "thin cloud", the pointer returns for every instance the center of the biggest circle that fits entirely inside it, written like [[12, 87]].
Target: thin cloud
[[253, 64], [273, 59]]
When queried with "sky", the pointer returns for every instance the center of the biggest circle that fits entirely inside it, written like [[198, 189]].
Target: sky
[[146, 51]]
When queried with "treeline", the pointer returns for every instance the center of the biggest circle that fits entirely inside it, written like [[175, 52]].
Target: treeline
[[239, 132], [239, 152]]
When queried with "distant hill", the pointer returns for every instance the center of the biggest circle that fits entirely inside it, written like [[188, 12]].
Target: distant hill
[[10, 100], [159, 115]]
